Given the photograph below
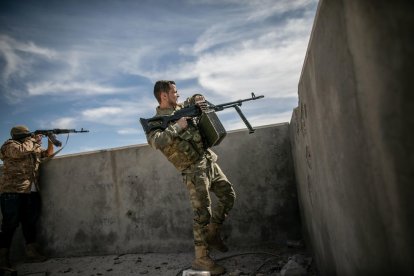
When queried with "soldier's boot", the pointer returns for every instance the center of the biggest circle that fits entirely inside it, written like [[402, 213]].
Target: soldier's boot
[[33, 254], [214, 239], [204, 262], [4, 259]]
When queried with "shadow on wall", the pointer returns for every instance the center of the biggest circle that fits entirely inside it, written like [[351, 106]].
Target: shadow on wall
[[352, 138]]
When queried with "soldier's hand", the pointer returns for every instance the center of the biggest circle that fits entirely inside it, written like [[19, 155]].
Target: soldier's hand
[[200, 101], [203, 106], [182, 122], [38, 138]]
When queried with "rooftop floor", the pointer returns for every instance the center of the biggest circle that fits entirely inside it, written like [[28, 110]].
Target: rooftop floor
[[258, 261]]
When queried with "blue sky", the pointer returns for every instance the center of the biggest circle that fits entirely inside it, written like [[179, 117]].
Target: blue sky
[[93, 64]]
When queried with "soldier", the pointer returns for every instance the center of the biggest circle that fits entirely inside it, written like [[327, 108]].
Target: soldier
[[183, 146], [19, 199]]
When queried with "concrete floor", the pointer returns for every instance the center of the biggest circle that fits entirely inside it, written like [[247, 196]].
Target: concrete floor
[[259, 261]]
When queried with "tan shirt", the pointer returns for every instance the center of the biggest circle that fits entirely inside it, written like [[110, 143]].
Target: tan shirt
[[21, 160]]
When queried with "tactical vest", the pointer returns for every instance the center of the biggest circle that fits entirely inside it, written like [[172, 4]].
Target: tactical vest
[[186, 149]]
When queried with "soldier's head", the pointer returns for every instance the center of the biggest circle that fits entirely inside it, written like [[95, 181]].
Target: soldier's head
[[19, 130], [165, 91]]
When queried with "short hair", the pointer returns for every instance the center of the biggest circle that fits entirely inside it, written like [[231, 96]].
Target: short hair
[[161, 86]]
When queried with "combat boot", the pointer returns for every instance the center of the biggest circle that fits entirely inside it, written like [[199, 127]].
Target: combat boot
[[33, 254], [204, 262], [213, 238], [4, 258]]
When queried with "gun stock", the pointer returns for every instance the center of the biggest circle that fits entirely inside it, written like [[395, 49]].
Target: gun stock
[[161, 122]]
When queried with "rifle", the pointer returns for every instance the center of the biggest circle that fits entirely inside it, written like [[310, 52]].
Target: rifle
[[161, 122], [50, 133]]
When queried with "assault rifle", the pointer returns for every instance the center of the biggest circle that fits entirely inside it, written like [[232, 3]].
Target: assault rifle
[[50, 133], [161, 122]]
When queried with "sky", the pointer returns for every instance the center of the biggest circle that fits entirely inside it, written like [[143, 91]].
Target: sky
[[93, 64]]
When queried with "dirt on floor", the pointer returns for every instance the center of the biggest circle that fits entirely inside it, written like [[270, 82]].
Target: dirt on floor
[[278, 260]]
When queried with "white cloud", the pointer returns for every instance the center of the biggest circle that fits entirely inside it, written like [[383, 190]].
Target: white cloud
[[101, 112], [128, 131], [79, 70], [32, 48], [267, 65], [18, 60], [113, 112], [84, 88], [66, 122], [12, 50], [267, 8], [232, 59], [63, 122], [119, 113]]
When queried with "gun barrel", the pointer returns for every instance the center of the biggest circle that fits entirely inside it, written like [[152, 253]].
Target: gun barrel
[[58, 131], [82, 130], [220, 107]]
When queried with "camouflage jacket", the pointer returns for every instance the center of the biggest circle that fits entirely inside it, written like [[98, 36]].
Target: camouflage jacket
[[182, 148], [21, 160]]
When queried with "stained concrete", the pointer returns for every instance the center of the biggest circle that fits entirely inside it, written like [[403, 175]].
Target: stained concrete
[[132, 200], [256, 261], [352, 138]]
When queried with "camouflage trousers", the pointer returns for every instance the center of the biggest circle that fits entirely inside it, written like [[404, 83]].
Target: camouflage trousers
[[201, 179]]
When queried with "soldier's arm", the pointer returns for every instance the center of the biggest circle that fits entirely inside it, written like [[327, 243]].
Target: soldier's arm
[[159, 139], [50, 148], [19, 150]]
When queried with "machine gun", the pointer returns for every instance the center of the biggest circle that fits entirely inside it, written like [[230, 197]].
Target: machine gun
[[51, 133], [236, 105], [209, 121]]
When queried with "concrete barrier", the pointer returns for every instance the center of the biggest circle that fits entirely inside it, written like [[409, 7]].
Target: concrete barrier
[[352, 138], [132, 200]]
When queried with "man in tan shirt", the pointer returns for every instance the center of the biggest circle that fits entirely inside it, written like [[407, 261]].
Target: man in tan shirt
[[19, 186]]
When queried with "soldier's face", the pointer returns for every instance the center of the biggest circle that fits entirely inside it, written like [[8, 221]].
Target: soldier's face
[[173, 95]]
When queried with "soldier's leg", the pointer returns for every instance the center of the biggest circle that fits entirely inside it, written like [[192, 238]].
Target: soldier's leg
[[197, 184], [224, 191], [10, 209], [30, 216], [226, 196]]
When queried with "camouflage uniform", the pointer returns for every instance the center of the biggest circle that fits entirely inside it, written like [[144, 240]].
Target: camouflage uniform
[[20, 201], [21, 165], [201, 174]]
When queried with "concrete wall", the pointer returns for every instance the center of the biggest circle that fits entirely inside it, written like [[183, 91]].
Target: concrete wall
[[133, 200], [352, 138]]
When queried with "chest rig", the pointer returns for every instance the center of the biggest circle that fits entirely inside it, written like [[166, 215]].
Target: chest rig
[[185, 149]]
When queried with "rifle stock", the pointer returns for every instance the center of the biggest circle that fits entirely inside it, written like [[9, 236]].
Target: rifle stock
[[161, 122]]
